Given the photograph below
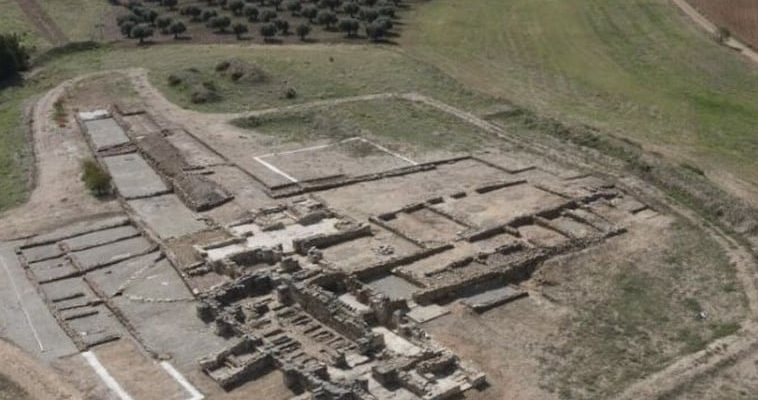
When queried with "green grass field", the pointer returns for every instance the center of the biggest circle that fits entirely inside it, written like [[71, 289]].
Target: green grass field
[[635, 68], [396, 121], [13, 20], [79, 19]]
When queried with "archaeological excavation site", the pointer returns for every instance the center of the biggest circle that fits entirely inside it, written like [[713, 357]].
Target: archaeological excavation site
[[231, 262]]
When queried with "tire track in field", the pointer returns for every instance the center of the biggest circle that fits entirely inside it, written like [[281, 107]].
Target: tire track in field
[[44, 24]]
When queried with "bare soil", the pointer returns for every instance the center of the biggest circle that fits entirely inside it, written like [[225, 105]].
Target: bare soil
[[30, 379]]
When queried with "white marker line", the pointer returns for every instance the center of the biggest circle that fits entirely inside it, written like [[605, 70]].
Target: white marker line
[[388, 151], [196, 395], [105, 376], [275, 169], [312, 148], [21, 304]]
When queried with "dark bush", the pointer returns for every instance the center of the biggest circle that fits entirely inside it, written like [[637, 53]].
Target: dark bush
[[14, 57]]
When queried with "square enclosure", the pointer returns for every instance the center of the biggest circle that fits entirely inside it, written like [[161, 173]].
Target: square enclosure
[[347, 158]]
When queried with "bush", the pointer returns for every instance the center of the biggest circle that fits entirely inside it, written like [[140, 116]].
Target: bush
[[303, 30], [177, 28], [97, 181], [14, 57], [268, 31]]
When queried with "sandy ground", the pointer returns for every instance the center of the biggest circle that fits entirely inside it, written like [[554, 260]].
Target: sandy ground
[[59, 195]]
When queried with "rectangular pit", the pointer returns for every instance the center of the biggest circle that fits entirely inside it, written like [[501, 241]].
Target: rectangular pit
[[502, 205], [352, 157], [167, 216], [133, 177], [105, 133]]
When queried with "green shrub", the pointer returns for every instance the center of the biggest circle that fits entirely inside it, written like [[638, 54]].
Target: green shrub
[[95, 178], [14, 57]]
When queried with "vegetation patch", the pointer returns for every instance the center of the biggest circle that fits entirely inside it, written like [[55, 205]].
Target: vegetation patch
[[96, 179], [399, 121], [641, 312], [267, 21]]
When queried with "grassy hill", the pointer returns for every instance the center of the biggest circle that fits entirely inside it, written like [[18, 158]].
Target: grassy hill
[[636, 68]]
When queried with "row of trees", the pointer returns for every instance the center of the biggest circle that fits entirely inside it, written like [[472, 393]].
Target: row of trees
[[376, 17]]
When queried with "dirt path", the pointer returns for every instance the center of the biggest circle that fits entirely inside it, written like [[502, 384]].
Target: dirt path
[[45, 25], [59, 195], [38, 380], [704, 23]]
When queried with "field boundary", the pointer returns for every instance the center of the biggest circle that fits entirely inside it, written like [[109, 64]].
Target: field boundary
[[711, 28]]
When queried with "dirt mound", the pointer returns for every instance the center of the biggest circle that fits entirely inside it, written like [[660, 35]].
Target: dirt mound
[[201, 90], [242, 71]]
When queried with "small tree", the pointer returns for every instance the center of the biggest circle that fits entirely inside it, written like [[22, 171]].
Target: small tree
[[293, 6], [375, 31], [303, 30], [141, 32], [236, 6], [723, 34], [330, 4], [276, 3], [14, 57], [220, 23], [208, 14], [351, 9], [268, 15], [283, 26], [268, 31], [163, 23], [251, 12], [126, 28], [193, 12], [171, 4], [95, 178], [388, 11], [349, 26], [326, 18], [385, 22], [309, 12], [239, 29], [368, 14], [177, 28]]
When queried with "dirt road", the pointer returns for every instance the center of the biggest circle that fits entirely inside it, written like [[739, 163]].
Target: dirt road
[[59, 194], [701, 20]]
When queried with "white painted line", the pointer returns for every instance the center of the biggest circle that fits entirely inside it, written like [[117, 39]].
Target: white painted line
[[388, 151], [275, 169], [312, 148], [105, 376], [196, 395], [21, 304]]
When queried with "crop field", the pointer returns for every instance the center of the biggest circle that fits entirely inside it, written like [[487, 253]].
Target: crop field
[[638, 69], [739, 16]]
